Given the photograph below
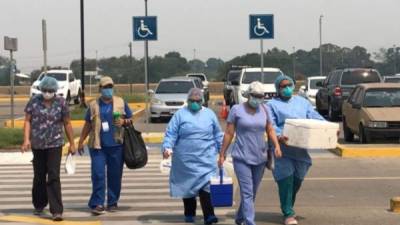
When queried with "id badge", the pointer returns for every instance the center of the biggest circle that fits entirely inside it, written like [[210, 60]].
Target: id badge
[[105, 126]]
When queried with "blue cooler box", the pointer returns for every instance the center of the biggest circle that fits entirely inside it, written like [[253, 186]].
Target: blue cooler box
[[221, 190]]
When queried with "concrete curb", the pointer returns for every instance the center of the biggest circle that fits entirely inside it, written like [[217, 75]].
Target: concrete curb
[[367, 151]]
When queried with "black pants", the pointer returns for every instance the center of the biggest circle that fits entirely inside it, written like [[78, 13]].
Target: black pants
[[205, 201], [46, 181]]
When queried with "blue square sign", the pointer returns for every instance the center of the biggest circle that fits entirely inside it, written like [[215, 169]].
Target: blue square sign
[[262, 26], [145, 28]]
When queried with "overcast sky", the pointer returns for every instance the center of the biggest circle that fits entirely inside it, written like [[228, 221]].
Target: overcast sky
[[215, 28]]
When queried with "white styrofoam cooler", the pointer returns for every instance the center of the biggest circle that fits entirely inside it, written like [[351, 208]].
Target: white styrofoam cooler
[[311, 134]]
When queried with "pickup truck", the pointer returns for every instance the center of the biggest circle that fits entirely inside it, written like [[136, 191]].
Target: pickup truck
[[68, 86]]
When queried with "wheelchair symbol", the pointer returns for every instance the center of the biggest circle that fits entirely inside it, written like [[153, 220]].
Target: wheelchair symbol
[[143, 30], [260, 28]]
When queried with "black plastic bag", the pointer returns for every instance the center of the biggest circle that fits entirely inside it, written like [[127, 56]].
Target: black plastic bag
[[135, 152]]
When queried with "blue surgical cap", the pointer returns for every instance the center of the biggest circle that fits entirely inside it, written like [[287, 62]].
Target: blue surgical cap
[[48, 83], [281, 78]]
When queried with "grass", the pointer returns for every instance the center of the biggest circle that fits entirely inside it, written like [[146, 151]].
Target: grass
[[78, 113], [11, 137], [134, 98]]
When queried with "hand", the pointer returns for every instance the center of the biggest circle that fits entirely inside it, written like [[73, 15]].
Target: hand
[[26, 146], [278, 152], [283, 139], [119, 122], [72, 148], [81, 150], [221, 161], [167, 153]]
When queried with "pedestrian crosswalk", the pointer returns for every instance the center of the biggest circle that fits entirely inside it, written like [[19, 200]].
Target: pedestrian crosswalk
[[144, 196]]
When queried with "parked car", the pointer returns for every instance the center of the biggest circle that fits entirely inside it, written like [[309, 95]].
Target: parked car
[[392, 79], [372, 111], [204, 80], [69, 87], [337, 87], [169, 96], [310, 89], [248, 75], [231, 80]]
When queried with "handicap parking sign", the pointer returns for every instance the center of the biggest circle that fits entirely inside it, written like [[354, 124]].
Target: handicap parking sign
[[262, 26], [145, 28]]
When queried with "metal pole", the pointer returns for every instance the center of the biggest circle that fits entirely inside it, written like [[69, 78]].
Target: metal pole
[[294, 62], [44, 36], [146, 73], [395, 59], [12, 87], [320, 44], [82, 52], [130, 69], [262, 59]]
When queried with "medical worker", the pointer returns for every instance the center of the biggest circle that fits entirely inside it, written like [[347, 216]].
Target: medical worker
[[292, 167], [250, 122], [103, 122], [193, 138]]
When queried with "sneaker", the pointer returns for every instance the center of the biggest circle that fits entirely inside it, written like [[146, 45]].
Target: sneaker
[[210, 220], [99, 210], [112, 208], [291, 221], [189, 219], [57, 217], [38, 212]]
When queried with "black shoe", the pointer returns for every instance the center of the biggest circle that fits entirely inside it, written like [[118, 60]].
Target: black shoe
[[38, 212], [99, 210], [210, 220], [112, 208], [57, 217]]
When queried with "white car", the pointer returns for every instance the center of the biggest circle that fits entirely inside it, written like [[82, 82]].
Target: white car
[[310, 89], [248, 75], [68, 86], [202, 77]]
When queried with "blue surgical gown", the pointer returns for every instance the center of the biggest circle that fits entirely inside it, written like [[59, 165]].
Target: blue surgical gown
[[295, 160], [195, 139]]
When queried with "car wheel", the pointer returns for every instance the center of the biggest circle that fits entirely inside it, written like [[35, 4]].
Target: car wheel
[[362, 135], [332, 115], [154, 120], [318, 106], [77, 100], [68, 99], [348, 135]]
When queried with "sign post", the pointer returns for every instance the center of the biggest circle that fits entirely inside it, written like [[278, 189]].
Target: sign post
[[145, 29], [11, 44], [261, 27]]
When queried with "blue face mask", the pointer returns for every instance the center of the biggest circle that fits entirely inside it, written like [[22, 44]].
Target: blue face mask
[[107, 92], [287, 92], [255, 102], [194, 106]]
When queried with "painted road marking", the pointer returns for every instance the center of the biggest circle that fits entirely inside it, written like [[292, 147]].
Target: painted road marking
[[37, 220]]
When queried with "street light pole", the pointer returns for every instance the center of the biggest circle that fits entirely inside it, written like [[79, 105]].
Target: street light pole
[[130, 68], [294, 62], [82, 52], [146, 72], [320, 44], [395, 59]]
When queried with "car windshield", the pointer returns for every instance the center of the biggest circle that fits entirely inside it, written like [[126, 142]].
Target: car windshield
[[269, 77], [313, 83], [174, 87], [382, 98], [57, 76], [198, 76], [360, 76], [392, 80], [233, 76]]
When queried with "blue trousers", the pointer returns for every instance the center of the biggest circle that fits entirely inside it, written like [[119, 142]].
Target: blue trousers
[[109, 162], [249, 178]]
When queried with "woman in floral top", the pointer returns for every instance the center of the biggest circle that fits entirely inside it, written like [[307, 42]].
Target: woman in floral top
[[45, 116]]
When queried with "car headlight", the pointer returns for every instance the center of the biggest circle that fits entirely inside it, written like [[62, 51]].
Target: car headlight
[[376, 124], [156, 101]]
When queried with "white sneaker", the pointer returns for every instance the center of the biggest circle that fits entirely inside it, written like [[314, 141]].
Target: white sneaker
[[291, 221]]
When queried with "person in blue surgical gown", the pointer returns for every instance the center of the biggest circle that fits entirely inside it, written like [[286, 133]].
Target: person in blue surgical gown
[[292, 167], [193, 139]]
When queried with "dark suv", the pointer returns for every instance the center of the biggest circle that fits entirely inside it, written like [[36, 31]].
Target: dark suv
[[231, 80], [337, 87]]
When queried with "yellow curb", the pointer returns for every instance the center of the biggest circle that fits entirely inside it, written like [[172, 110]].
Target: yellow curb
[[216, 97], [395, 204], [153, 138], [375, 150], [38, 220]]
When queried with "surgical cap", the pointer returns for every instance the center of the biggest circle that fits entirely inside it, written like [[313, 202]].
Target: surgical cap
[[281, 78], [193, 92], [255, 87], [48, 83]]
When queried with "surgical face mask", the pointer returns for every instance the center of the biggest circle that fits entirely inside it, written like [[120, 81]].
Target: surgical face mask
[[107, 92], [287, 92], [255, 102], [194, 106], [48, 95]]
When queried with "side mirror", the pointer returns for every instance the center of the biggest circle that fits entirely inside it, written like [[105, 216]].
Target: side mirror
[[235, 82], [356, 106], [319, 84], [303, 87], [150, 92]]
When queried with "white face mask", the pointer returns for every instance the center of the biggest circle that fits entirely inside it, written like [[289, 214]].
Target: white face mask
[[48, 95]]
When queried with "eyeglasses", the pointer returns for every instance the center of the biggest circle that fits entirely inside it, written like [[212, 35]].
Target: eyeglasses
[[257, 95], [48, 90], [107, 86], [197, 101], [286, 85]]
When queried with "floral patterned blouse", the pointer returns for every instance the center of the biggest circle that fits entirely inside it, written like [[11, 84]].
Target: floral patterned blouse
[[47, 123]]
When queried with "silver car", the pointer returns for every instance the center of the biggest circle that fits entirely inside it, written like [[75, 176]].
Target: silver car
[[169, 96]]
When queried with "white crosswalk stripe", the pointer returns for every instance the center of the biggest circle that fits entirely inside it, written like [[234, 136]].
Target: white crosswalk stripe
[[144, 191]]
